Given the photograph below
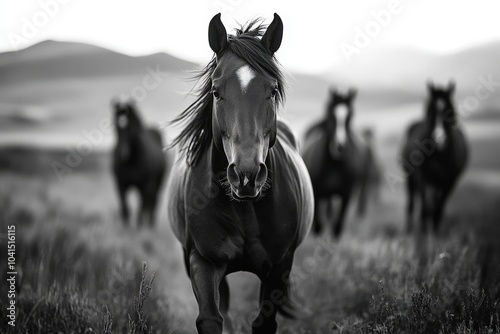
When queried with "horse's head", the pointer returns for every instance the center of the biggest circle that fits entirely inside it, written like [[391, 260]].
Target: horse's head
[[339, 114], [246, 90], [440, 111], [127, 125]]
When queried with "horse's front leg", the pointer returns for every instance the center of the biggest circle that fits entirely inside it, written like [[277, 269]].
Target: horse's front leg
[[339, 224], [124, 211], [317, 224], [274, 297], [439, 205], [425, 207], [206, 278]]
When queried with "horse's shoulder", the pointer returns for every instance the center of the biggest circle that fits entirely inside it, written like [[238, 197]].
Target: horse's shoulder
[[318, 126]]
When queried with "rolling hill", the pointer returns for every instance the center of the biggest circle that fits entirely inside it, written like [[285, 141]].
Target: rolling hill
[[52, 91]]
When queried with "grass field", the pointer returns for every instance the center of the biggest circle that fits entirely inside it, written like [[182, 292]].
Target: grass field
[[76, 262], [81, 271]]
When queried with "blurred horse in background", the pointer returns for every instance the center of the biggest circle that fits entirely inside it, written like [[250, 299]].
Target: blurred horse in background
[[241, 198], [138, 161], [336, 159], [437, 152]]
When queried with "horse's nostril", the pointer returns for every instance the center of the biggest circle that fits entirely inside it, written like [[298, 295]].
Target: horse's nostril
[[261, 176], [233, 175]]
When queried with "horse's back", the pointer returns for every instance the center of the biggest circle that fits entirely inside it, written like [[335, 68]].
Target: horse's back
[[313, 150], [461, 155], [314, 128], [153, 149], [413, 128], [155, 135]]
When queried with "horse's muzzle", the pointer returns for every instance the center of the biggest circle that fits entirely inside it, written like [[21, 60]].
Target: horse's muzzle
[[246, 184]]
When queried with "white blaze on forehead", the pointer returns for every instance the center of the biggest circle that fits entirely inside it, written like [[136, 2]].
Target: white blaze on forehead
[[122, 121], [439, 135], [245, 75], [341, 114]]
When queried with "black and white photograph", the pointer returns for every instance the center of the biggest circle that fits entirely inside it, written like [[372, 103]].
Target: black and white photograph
[[250, 166]]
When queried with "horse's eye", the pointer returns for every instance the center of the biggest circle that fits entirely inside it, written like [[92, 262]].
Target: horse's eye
[[274, 93], [215, 93]]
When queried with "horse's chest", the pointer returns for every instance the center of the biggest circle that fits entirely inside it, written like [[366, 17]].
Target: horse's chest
[[130, 177], [238, 243], [442, 166], [214, 239]]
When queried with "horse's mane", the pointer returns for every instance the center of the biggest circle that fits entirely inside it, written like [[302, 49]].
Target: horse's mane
[[197, 135]]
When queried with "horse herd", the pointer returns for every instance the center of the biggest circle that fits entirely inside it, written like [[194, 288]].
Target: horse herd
[[242, 197]]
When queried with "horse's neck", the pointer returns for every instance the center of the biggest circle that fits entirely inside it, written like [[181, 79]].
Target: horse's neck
[[451, 124], [133, 143], [430, 119], [444, 133], [136, 120]]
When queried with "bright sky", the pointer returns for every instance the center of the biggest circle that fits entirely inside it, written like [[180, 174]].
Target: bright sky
[[314, 29]]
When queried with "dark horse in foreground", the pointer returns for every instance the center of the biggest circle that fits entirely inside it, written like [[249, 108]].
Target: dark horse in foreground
[[138, 162], [240, 198], [435, 159], [336, 160]]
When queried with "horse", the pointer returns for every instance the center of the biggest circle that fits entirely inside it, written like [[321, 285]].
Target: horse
[[138, 162], [437, 158], [240, 197], [335, 159]]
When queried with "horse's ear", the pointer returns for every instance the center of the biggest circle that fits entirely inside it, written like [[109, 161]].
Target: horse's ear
[[115, 103], [451, 87], [273, 36], [131, 102], [430, 86], [333, 91], [217, 36], [352, 93]]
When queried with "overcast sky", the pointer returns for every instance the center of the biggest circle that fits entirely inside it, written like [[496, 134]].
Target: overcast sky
[[314, 29]]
